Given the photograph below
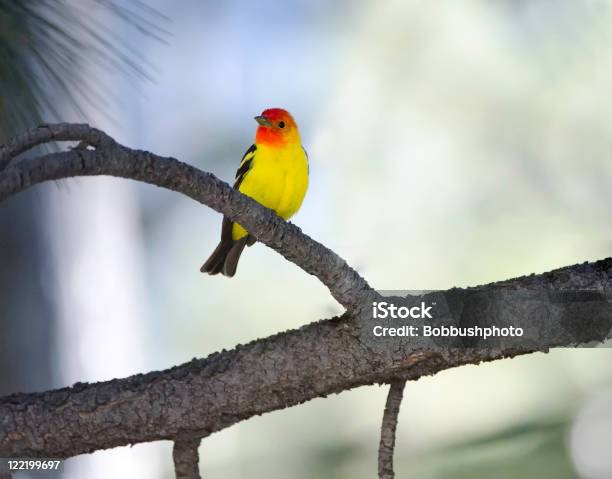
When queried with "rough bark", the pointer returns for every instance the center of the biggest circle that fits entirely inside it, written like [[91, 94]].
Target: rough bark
[[195, 399], [208, 395]]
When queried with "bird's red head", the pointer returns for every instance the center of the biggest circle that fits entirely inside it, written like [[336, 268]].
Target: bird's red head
[[276, 128]]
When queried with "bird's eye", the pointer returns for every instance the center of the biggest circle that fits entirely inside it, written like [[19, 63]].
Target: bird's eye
[[281, 124]]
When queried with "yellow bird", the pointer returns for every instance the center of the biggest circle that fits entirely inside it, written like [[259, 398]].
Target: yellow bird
[[274, 172]]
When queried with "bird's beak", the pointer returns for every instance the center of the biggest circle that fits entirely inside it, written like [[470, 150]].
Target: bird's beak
[[263, 121]]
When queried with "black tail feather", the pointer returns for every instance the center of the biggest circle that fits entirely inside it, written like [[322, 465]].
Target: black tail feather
[[233, 255], [214, 264]]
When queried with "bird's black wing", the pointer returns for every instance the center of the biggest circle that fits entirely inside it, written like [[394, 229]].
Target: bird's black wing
[[245, 165]]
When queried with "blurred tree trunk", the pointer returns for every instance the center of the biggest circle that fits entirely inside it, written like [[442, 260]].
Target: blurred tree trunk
[[27, 319], [61, 244]]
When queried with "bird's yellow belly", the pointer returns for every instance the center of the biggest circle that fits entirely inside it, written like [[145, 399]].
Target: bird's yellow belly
[[277, 180]]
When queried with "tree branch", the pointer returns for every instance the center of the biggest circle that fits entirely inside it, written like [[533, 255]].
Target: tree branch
[[208, 395], [211, 394], [50, 133], [388, 428], [186, 458], [110, 158]]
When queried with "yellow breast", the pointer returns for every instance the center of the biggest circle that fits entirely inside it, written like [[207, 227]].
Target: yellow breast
[[278, 179]]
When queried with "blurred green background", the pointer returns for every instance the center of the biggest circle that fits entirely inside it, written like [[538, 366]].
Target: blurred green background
[[452, 143]]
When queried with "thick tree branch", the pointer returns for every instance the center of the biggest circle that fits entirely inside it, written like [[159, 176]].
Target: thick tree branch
[[207, 395], [388, 428], [110, 158], [186, 458]]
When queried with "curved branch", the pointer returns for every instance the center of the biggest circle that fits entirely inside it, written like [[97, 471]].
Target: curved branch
[[388, 428], [110, 158]]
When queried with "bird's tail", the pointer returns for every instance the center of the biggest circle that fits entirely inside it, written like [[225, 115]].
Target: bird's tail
[[224, 258]]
